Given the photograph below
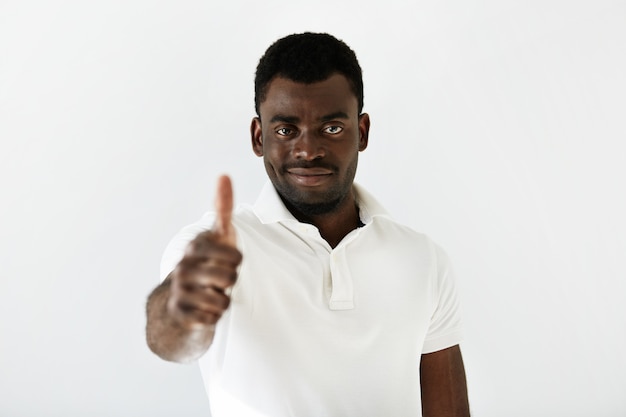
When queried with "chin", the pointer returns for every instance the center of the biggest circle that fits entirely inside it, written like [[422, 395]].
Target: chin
[[316, 209]]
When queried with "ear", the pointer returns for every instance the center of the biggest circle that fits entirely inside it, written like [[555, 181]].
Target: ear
[[364, 130], [256, 135]]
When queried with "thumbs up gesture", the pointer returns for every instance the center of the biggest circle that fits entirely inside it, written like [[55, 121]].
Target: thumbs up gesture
[[224, 210], [201, 281]]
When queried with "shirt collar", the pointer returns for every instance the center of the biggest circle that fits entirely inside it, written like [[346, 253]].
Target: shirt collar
[[269, 208]]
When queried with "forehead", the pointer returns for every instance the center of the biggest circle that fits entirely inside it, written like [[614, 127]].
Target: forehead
[[288, 97]]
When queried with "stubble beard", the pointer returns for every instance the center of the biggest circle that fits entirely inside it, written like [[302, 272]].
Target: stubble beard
[[311, 209], [326, 203]]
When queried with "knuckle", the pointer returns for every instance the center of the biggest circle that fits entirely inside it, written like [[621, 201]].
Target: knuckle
[[207, 245], [237, 257], [184, 268], [218, 302], [224, 279], [201, 243]]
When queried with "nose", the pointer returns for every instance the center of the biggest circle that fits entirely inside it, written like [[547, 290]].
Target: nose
[[308, 146]]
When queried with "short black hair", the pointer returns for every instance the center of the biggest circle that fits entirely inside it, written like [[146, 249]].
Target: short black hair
[[307, 58]]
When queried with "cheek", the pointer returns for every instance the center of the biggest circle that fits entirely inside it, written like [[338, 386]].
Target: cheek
[[348, 151], [274, 155], [278, 150]]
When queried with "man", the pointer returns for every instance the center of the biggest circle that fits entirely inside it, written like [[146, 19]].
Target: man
[[311, 302]]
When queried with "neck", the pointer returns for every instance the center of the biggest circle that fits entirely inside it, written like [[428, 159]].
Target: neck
[[334, 225]]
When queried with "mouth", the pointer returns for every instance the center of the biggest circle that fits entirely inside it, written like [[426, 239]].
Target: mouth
[[309, 177]]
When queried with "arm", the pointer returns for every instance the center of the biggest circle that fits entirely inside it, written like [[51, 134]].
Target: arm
[[444, 388], [182, 312]]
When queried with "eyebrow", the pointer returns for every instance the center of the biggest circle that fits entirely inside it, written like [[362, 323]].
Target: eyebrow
[[332, 116], [294, 120], [284, 119]]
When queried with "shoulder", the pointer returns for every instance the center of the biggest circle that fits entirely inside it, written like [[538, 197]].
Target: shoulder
[[384, 228], [387, 229]]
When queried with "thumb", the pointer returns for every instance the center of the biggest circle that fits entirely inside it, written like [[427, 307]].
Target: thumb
[[224, 210]]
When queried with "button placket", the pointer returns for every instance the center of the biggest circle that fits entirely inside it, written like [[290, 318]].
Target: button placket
[[342, 294]]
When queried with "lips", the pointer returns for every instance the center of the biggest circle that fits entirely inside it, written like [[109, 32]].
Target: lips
[[309, 177], [309, 171]]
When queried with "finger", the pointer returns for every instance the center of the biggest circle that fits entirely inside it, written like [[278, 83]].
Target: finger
[[208, 246], [195, 319], [193, 309], [209, 300], [207, 274], [224, 209]]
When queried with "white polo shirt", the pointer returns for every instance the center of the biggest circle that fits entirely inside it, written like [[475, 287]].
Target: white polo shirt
[[315, 331]]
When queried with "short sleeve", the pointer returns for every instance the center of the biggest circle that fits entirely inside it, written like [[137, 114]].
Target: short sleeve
[[175, 250], [445, 328]]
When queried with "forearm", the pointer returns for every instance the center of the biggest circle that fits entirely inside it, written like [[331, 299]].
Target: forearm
[[168, 339], [444, 386]]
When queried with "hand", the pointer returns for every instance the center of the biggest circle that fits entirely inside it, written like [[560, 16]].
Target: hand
[[198, 296]]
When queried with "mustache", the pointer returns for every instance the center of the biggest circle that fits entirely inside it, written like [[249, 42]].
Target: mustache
[[311, 164]]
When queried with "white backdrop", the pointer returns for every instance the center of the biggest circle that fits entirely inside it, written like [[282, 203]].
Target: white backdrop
[[497, 128]]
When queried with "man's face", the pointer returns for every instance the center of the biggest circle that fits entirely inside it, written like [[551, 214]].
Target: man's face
[[309, 136]]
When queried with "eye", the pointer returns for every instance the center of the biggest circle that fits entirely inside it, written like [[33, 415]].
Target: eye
[[333, 130], [284, 131]]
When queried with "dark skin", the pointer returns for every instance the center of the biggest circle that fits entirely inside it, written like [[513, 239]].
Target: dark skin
[[182, 312], [309, 136], [443, 383]]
